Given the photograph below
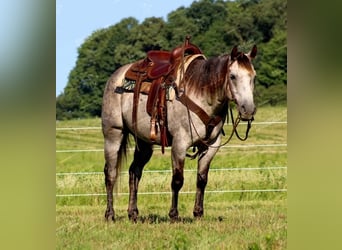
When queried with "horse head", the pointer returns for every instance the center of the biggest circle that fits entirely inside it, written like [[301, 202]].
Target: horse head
[[241, 82]]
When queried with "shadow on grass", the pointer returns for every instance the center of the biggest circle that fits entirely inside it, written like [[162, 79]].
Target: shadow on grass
[[157, 219]]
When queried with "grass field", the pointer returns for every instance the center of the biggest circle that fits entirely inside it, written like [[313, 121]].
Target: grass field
[[238, 214]]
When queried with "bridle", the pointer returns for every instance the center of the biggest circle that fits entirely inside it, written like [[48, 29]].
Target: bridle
[[204, 144], [238, 119]]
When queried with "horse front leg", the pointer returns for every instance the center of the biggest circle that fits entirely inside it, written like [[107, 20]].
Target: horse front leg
[[178, 158], [142, 154], [202, 176]]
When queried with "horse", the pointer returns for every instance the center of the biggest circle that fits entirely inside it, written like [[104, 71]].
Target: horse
[[206, 84]]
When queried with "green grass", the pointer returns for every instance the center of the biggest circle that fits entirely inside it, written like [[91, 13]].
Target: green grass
[[239, 220], [236, 225]]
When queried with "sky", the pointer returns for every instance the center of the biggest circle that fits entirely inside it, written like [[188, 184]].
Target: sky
[[77, 19]]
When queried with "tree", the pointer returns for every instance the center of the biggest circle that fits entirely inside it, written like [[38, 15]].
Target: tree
[[98, 57], [214, 25], [150, 35], [205, 12], [274, 61], [273, 70], [178, 27]]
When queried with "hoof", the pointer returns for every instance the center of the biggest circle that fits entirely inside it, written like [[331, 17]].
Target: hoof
[[173, 214], [198, 214], [133, 215], [110, 215]]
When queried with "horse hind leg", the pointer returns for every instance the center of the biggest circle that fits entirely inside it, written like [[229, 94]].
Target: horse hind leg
[[114, 150], [142, 154]]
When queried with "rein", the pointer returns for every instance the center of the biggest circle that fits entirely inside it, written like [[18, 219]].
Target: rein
[[236, 123], [205, 144]]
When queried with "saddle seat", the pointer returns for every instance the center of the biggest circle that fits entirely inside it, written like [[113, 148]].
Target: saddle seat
[[161, 64]]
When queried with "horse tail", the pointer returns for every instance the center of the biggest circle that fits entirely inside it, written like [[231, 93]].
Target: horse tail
[[122, 154], [121, 159]]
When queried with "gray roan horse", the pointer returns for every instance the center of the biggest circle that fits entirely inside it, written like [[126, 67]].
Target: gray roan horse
[[207, 84]]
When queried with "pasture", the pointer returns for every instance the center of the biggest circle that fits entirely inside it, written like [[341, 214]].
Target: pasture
[[244, 206]]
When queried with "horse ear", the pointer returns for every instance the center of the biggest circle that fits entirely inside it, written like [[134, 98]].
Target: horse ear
[[234, 52], [253, 52]]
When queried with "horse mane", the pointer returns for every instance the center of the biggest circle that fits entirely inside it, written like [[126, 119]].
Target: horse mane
[[210, 76], [206, 76]]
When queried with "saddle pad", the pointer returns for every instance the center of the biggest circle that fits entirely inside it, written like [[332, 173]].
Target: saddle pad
[[129, 85]]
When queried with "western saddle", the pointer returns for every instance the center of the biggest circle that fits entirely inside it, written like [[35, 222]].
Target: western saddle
[[154, 76]]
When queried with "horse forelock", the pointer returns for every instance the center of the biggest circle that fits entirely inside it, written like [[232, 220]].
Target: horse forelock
[[245, 62]]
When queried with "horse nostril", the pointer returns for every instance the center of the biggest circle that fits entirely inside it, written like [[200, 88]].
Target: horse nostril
[[243, 107]]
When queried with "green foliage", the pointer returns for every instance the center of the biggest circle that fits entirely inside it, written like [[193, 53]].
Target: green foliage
[[215, 26]]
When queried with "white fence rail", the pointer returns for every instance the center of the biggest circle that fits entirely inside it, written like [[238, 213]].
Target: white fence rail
[[169, 171], [226, 146], [184, 192], [97, 128]]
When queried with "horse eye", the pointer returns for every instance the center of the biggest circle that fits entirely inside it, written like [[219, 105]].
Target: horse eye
[[232, 77]]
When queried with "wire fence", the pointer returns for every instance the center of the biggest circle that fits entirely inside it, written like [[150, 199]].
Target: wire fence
[[181, 192], [226, 146], [169, 171], [98, 128]]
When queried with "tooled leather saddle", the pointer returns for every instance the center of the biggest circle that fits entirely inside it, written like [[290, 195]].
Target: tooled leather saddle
[[153, 75]]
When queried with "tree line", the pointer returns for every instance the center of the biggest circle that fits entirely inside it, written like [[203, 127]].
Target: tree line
[[214, 25]]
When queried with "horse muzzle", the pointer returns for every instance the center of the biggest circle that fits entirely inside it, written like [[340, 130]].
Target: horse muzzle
[[247, 113]]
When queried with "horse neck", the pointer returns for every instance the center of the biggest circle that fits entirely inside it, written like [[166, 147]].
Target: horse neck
[[206, 83]]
